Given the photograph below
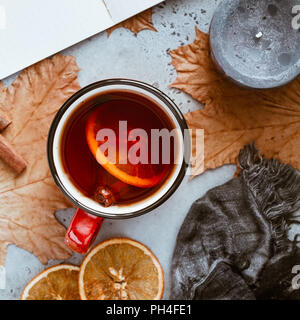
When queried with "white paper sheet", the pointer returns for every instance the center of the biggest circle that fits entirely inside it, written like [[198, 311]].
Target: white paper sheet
[[32, 30]]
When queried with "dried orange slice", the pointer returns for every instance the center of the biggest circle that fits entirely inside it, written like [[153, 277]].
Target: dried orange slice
[[139, 175], [55, 283], [121, 269]]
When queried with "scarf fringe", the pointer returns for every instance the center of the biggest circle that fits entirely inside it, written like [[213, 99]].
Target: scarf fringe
[[276, 188]]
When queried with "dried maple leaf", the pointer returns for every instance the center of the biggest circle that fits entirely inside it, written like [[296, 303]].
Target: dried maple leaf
[[233, 116], [28, 201], [140, 22]]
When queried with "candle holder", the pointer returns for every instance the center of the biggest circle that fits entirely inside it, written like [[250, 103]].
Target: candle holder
[[254, 43]]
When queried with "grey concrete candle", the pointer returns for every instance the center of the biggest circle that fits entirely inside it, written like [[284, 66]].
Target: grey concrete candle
[[255, 43]]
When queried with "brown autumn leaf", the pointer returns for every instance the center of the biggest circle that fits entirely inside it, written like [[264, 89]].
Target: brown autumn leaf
[[140, 22], [233, 116], [28, 201]]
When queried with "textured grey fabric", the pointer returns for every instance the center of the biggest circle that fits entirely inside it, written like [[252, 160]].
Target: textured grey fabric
[[237, 235]]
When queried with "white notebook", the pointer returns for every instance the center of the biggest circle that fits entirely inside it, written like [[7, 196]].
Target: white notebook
[[31, 30]]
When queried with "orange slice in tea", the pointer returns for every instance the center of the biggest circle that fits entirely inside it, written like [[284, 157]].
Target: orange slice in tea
[[139, 175], [121, 269], [55, 283]]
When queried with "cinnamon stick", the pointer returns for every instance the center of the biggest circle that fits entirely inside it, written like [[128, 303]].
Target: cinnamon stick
[[4, 122], [9, 155]]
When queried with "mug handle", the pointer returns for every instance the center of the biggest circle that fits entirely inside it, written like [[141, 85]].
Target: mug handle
[[82, 231]]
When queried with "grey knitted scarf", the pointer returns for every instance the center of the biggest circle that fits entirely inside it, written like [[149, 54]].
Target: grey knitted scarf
[[234, 241]]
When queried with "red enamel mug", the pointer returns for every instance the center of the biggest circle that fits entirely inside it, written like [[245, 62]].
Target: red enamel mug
[[89, 214]]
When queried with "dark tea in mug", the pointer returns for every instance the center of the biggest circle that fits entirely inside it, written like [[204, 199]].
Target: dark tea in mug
[[118, 147]]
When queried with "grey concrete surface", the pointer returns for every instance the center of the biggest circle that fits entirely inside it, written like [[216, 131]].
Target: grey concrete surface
[[145, 58]]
